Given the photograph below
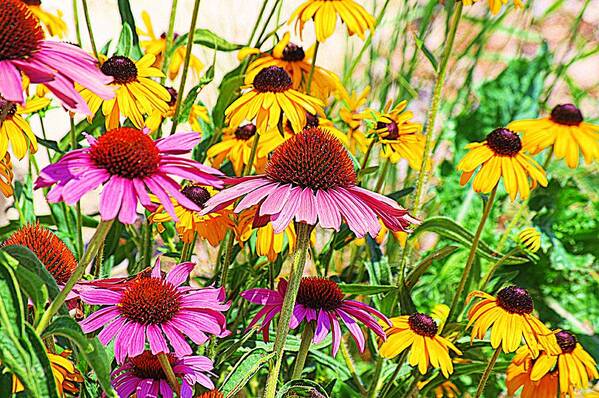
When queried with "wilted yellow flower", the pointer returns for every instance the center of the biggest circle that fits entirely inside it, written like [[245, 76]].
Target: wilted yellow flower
[[6, 176]]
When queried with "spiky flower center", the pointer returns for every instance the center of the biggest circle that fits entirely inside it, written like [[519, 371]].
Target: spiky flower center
[[12, 107], [515, 300], [312, 159], [293, 53], [319, 293], [566, 340], [272, 79], [197, 194], [391, 129], [126, 152], [173, 93], [150, 301], [245, 132], [567, 114], [20, 31], [48, 248], [504, 142], [423, 325], [122, 69], [212, 394], [147, 366]]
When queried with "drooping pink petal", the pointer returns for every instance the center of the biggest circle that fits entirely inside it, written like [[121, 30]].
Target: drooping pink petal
[[179, 274], [111, 197], [262, 296], [11, 86]]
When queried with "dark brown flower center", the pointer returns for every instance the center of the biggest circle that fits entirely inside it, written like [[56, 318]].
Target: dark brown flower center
[[319, 293], [150, 301], [20, 31], [272, 79], [147, 366], [293, 52], [32, 2], [245, 132], [423, 324], [515, 300], [567, 114], [391, 128], [12, 107], [504, 142], [48, 248], [311, 121], [197, 194], [122, 69], [566, 340], [173, 93], [312, 159], [126, 152]]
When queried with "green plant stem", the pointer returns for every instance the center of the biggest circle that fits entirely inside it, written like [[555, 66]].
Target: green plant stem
[[188, 247], [190, 36], [255, 28], [147, 244], [349, 362], [471, 256], [247, 170], [389, 383], [302, 354], [226, 257], [91, 252], [311, 75], [88, 22], [483, 380], [374, 386], [169, 39], [367, 154], [382, 175], [168, 371], [511, 226], [413, 386], [548, 158], [79, 221], [259, 41], [295, 276], [76, 20], [496, 266]]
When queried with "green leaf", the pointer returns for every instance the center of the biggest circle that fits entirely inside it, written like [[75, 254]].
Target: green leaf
[[11, 303], [364, 290], [244, 370], [40, 370], [206, 38], [5, 383], [127, 18], [125, 42], [91, 349], [448, 228], [427, 53], [229, 90], [425, 263], [193, 94], [301, 388], [24, 199]]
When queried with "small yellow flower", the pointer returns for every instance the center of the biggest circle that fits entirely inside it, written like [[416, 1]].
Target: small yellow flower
[[6, 176], [518, 375], [353, 113], [53, 23], [137, 95], [65, 375], [14, 129], [565, 130], [495, 5], [530, 238], [501, 155], [325, 12]]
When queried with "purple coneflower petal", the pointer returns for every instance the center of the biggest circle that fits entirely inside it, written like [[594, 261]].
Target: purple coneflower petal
[[111, 330], [274, 203], [179, 143], [323, 326], [262, 296], [297, 316], [307, 209], [328, 211], [165, 389], [177, 340], [12, 84], [336, 329], [99, 319], [128, 213], [254, 197], [156, 340], [353, 328], [281, 221], [111, 197], [179, 274]]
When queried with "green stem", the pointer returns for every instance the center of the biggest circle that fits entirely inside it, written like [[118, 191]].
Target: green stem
[[496, 266], [367, 154], [187, 250], [88, 22], [434, 108], [247, 170], [471, 256], [91, 252], [382, 175], [302, 354], [268, 18], [147, 244], [487, 373], [349, 362], [295, 276], [413, 386], [389, 382], [190, 36], [79, 222], [255, 28], [168, 371], [226, 257], [378, 370], [548, 159], [511, 226], [169, 40], [76, 20], [311, 75]]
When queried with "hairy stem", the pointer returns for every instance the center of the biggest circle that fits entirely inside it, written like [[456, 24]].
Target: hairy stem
[[302, 354], [483, 380]]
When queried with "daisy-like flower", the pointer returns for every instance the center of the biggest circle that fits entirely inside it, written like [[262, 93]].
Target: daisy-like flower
[[509, 316], [311, 178], [128, 163], [65, 374], [296, 62], [518, 375], [325, 12], [574, 365], [158, 310], [6, 176], [16, 130], [419, 332], [52, 252], [501, 155], [25, 53], [321, 301], [54, 24], [236, 147], [137, 95], [156, 45], [530, 238], [211, 227], [565, 130], [142, 376], [495, 5], [400, 137], [272, 95]]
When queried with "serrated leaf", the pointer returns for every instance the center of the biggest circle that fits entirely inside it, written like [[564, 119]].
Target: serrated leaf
[[244, 370]]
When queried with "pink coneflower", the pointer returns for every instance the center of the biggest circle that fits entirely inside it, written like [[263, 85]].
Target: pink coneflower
[[58, 66], [321, 301], [152, 307], [311, 178], [129, 163], [143, 376]]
